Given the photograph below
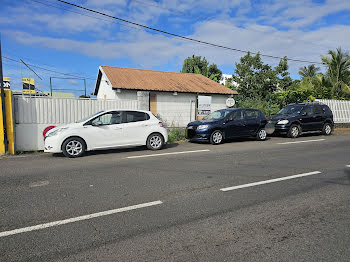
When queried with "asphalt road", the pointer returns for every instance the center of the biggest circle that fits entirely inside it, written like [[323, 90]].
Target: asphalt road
[[178, 204]]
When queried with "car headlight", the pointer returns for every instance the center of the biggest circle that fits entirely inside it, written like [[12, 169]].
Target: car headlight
[[202, 127], [55, 132], [282, 122]]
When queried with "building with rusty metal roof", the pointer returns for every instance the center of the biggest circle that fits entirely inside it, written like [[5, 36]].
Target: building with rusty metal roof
[[176, 97]]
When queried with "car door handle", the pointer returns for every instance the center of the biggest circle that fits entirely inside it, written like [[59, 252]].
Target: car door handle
[[117, 128]]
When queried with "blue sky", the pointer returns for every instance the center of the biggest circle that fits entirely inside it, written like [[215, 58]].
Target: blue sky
[[65, 39]]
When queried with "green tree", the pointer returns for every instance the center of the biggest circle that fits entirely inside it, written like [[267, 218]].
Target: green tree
[[214, 73], [254, 78], [338, 72], [308, 71], [284, 81], [195, 65]]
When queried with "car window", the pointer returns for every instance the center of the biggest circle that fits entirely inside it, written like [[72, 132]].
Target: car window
[[308, 110], [110, 118], [291, 109], [317, 109], [236, 115], [134, 116], [217, 115], [251, 114], [326, 110]]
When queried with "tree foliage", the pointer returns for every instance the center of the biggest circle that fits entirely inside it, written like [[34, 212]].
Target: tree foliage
[[214, 73], [254, 78], [197, 65], [309, 71], [338, 72]]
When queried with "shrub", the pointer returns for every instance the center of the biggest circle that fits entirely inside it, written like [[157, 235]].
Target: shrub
[[176, 134]]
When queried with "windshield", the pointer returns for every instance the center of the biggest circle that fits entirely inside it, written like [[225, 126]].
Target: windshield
[[217, 115], [88, 117], [292, 109]]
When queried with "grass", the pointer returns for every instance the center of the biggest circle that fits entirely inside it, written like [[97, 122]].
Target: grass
[[176, 135]]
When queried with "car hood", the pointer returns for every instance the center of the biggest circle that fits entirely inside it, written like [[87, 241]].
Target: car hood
[[203, 122]]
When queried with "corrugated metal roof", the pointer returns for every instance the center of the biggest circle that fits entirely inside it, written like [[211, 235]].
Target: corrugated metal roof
[[140, 79]]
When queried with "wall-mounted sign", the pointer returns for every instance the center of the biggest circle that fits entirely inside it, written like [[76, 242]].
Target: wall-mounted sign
[[6, 82], [28, 85], [204, 105], [230, 102]]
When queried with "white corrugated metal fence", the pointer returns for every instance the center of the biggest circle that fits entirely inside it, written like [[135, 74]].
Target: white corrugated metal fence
[[340, 109], [43, 110]]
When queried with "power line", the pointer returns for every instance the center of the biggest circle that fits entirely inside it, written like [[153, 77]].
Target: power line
[[45, 69], [218, 22], [184, 37]]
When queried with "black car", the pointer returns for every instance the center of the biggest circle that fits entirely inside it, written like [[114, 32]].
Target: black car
[[228, 123], [295, 119]]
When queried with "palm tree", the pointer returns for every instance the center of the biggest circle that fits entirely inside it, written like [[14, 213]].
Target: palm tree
[[338, 71], [309, 71]]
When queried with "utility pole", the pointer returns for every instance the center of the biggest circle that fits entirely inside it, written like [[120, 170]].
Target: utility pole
[[3, 100]]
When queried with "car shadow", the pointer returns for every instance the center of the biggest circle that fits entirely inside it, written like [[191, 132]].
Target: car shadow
[[121, 150], [303, 135]]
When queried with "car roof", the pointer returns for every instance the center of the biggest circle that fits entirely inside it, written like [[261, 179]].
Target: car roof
[[134, 110], [307, 103], [234, 109]]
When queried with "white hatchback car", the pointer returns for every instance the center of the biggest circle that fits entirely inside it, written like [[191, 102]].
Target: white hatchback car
[[107, 129]]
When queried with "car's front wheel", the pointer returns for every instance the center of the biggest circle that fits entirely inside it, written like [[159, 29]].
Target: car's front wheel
[[155, 141], [216, 137], [261, 135], [74, 147], [327, 129]]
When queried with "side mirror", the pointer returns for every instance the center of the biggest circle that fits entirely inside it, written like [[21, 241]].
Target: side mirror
[[304, 114], [97, 123]]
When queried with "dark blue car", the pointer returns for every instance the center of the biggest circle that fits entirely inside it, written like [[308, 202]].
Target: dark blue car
[[296, 119], [228, 123]]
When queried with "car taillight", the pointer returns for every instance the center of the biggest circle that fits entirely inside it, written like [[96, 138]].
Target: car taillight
[[267, 119], [161, 124]]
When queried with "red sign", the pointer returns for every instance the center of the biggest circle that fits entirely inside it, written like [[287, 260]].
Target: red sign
[[47, 129]]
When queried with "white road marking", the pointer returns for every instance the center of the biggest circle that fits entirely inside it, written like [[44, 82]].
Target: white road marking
[[39, 183], [76, 219], [297, 142], [172, 153], [347, 165], [269, 181]]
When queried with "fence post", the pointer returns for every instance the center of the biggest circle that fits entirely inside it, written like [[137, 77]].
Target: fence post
[[9, 122]]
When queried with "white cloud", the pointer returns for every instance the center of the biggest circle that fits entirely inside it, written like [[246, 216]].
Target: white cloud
[[300, 13], [148, 50]]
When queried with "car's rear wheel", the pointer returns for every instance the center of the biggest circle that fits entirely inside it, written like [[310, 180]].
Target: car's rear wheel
[[261, 135], [155, 141], [217, 137], [294, 131], [327, 129], [74, 147]]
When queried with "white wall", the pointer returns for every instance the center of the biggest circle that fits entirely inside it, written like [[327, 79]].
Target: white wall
[[106, 92], [175, 110]]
